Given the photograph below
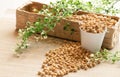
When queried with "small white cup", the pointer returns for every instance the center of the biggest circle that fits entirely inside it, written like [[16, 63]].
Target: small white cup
[[92, 41]]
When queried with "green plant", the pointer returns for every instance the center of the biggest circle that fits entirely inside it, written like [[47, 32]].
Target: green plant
[[55, 12], [67, 27], [105, 6], [107, 56]]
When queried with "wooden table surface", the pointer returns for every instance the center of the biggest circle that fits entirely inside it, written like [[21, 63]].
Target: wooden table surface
[[30, 62]]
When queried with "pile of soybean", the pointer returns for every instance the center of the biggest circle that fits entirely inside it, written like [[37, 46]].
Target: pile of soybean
[[70, 57], [94, 23]]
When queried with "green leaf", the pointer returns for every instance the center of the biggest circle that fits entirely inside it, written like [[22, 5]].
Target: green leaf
[[72, 31], [37, 24]]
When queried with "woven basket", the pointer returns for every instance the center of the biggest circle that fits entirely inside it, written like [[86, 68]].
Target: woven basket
[[24, 14]]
